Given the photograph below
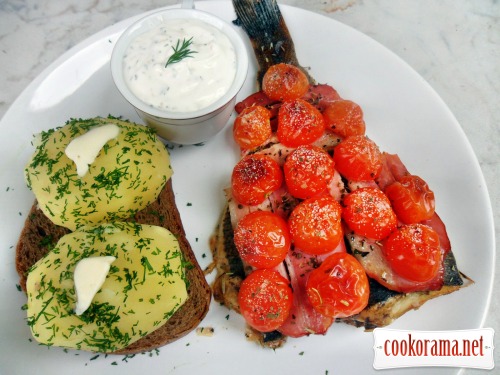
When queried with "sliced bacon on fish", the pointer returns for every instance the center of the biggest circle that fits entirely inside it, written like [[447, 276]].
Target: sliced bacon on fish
[[304, 319], [393, 170]]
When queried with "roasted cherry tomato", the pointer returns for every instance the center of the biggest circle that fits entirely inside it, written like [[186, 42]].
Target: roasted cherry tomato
[[338, 287], [252, 127], [265, 299], [254, 178], [411, 199], [413, 252], [345, 118], [368, 212], [299, 123], [358, 158], [284, 82], [315, 225], [262, 239], [308, 170]]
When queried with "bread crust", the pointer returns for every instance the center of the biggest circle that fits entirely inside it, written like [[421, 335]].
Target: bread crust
[[39, 234]]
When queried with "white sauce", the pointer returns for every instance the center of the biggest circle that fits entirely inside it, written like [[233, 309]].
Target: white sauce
[[189, 85], [90, 274], [84, 149]]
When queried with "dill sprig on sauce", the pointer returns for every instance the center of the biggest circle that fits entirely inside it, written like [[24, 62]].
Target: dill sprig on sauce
[[181, 52]]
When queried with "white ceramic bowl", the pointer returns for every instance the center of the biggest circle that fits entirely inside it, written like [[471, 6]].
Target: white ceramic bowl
[[182, 127]]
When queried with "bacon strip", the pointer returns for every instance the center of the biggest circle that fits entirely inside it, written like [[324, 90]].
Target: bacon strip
[[370, 253], [394, 170], [304, 319]]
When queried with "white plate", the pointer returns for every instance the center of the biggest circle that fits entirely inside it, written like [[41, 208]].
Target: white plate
[[403, 114]]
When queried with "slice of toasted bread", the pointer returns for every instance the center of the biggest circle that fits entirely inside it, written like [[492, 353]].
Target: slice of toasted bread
[[40, 234]]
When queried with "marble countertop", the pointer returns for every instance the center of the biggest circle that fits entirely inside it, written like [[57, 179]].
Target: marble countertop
[[453, 44]]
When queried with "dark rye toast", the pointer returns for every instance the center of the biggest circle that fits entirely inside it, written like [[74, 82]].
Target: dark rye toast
[[40, 234]]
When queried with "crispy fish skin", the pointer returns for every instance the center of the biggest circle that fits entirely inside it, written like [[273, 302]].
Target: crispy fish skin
[[385, 305]]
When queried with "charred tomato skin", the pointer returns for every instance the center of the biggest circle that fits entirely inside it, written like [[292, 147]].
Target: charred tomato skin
[[265, 299], [338, 287]]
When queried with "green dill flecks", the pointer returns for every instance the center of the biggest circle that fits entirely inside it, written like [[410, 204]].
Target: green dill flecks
[[181, 51], [70, 200], [109, 180], [104, 313], [47, 241], [105, 318], [127, 357], [148, 268]]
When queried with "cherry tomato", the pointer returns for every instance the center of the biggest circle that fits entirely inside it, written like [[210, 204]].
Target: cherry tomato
[[345, 118], [358, 158], [262, 239], [413, 252], [368, 212], [265, 299], [252, 127], [338, 287], [308, 170], [299, 123], [315, 225], [284, 82], [411, 199], [255, 177]]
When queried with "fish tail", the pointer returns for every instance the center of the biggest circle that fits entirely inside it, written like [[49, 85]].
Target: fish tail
[[268, 33]]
